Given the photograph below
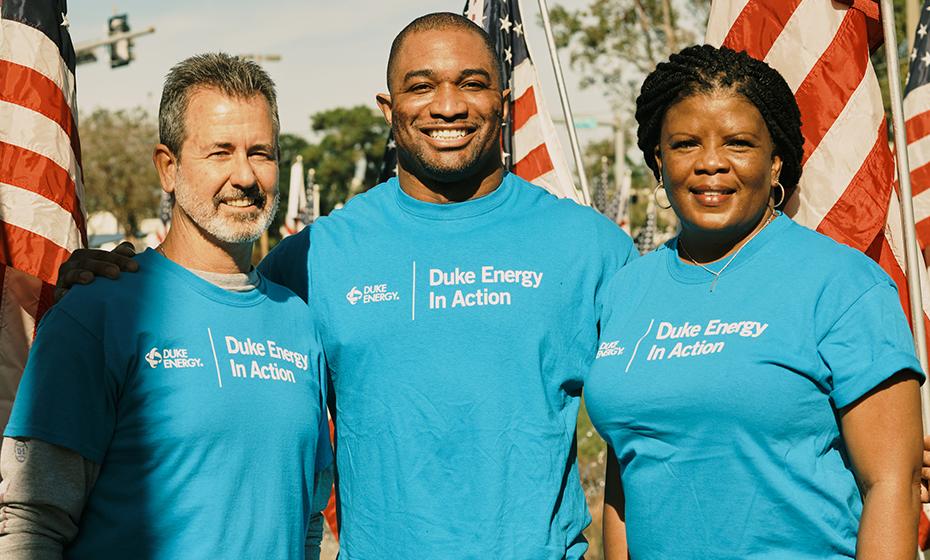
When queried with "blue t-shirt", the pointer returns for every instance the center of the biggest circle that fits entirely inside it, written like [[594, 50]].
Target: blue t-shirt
[[457, 336], [202, 406], [721, 406]]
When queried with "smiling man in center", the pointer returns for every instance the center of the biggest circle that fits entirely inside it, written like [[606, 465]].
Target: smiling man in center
[[455, 424]]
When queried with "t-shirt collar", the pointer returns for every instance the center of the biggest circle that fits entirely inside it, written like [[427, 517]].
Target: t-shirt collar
[[453, 210], [691, 273]]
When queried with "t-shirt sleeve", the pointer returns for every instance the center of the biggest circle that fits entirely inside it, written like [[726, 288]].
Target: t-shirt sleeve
[[324, 448], [867, 344], [618, 251], [66, 396], [286, 264]]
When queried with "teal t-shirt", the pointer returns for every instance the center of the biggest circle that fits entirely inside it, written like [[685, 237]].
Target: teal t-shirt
[[457, 336], [202, 406], [721, 406]]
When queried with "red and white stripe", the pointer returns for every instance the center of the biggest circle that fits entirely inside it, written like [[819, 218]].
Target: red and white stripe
[[42, 219], [917, 113], [537, 156], [822, 49]]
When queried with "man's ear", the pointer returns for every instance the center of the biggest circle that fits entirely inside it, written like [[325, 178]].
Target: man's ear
[[384, 103], [505, 107], [166, 163]]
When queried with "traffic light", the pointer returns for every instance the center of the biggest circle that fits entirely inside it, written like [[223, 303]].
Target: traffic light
[[121, 49]]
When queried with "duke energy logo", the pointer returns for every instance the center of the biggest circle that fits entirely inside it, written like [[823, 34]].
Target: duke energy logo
[[373, 293], [171, 358], [607, 349], [354, 295]]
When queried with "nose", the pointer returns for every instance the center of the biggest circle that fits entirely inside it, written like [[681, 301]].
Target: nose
[[448, 103], [242, 174], [712, 160]]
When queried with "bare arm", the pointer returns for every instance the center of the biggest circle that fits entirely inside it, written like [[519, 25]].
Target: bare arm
[[42, 494], [882, 432], [615, 547]]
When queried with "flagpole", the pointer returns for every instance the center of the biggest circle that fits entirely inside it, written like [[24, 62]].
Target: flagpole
[[912, 259], [563, 97]]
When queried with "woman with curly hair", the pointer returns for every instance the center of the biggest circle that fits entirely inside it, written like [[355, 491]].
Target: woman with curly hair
[[765, 401]]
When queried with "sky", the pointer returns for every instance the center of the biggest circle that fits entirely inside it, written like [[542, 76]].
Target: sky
[[333, 53]]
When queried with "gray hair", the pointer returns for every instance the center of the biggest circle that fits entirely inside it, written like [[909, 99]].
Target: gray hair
[[231, 75]]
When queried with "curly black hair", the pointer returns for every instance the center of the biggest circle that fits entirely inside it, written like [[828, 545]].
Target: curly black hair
[[704, 68]]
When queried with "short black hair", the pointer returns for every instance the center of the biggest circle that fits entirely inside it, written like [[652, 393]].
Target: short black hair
[[442, 21], [703, 69]]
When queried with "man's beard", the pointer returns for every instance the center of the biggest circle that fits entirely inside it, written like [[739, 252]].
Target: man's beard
[[238, 228], [466, 165]]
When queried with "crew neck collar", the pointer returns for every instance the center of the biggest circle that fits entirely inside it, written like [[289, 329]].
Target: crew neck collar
[[200, 285], [690, 273], [453, 210]]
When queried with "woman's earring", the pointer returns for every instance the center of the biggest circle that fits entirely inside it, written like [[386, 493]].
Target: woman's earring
[[781, 197], [655, 195]]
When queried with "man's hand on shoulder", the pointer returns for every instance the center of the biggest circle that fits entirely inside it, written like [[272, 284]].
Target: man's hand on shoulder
[[86, 264]]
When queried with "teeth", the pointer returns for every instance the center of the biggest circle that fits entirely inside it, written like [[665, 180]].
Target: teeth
[[239, 202], [447, 134]]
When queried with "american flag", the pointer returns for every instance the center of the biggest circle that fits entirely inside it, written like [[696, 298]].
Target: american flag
[[41, 214], [295, 216], [847, 187], [917, 115], [531, 147]]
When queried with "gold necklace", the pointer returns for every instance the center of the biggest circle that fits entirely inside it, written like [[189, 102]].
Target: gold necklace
[[716, 274]]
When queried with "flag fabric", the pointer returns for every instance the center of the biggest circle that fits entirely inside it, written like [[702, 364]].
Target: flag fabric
[[847, 189], [295, 216], [531, 147], [645, 239], [41, 213], [917, 117]]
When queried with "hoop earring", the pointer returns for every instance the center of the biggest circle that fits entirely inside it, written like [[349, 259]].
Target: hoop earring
[[780, 198], [655, 195]]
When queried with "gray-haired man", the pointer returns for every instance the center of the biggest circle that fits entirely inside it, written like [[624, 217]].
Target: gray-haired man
[[178, 413]]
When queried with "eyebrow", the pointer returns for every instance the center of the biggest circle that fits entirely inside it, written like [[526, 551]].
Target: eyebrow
[[231, 147], [426, 73]]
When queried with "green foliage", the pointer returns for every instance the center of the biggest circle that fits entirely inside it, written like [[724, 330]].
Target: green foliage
[[615, 43], [880, 64], [116, 149], [344, 134]]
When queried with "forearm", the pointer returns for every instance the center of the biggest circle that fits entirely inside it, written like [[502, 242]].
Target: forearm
[[43, 491], [888, 529], [615, 547], [614, 524]]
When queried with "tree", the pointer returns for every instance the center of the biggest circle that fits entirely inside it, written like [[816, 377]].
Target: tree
[[615, 43], [116, 147], [346, 134]]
